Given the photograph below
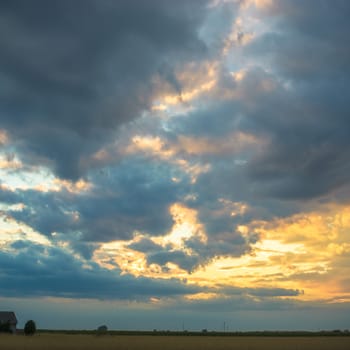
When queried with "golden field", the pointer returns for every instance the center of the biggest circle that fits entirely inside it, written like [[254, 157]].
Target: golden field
[[124, 342]]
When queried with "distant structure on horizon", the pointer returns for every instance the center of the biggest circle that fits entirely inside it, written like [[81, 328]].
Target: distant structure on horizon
[[102, 328], [10, 318]]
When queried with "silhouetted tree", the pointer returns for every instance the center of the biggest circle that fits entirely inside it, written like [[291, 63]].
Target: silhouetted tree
[[30, 327]]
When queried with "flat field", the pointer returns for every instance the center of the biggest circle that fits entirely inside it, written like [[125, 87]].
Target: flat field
[[125, 342]]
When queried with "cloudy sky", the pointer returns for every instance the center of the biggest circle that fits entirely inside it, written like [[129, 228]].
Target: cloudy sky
[[169, 164]]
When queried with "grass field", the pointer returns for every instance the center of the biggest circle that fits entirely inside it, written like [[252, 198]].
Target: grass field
[[89, 342]]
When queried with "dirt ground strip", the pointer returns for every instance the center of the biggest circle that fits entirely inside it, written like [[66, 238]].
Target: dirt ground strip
[[87, 342]]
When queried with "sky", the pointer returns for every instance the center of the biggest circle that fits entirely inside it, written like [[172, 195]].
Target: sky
[[175, 164]]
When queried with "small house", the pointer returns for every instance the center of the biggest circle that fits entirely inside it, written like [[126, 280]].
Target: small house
[[8, 317]]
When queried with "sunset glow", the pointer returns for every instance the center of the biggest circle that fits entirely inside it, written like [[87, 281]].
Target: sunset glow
[[184, 158]]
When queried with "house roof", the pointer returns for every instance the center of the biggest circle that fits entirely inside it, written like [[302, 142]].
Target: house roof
[[8, 316]]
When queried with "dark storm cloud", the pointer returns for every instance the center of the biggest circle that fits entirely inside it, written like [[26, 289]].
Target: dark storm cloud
[[138, 198], [36, 270], [72, 72], [310, 38], [307, 121], [133, 196], [45, 212], [296, 101]]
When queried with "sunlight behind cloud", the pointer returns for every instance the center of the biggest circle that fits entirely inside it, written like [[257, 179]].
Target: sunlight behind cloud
[[119, 253], [37, 178], [186, 225], [282, 258], [195, 154], [300, 252], [170, 152], [12, 230], [195, 80]]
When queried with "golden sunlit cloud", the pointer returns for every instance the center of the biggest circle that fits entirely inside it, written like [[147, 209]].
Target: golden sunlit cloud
[[239, 75], [78, 186], [150, 144], [37, 178], [185, 146], [10, 163], [119, 253], [188, 95], [308, 252], [231, 144], [201, 296], [156, 147], [186, 225], [234, 209], [12, 230], [159, 107], [195, 81]]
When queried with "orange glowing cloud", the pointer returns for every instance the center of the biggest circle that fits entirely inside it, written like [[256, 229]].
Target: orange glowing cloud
[[195, 81], [186, 225], [73, 187], [119, 253], [12, 230], [231, 144], [9, 162], [156, 147], [151, 145], [308, 252]]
